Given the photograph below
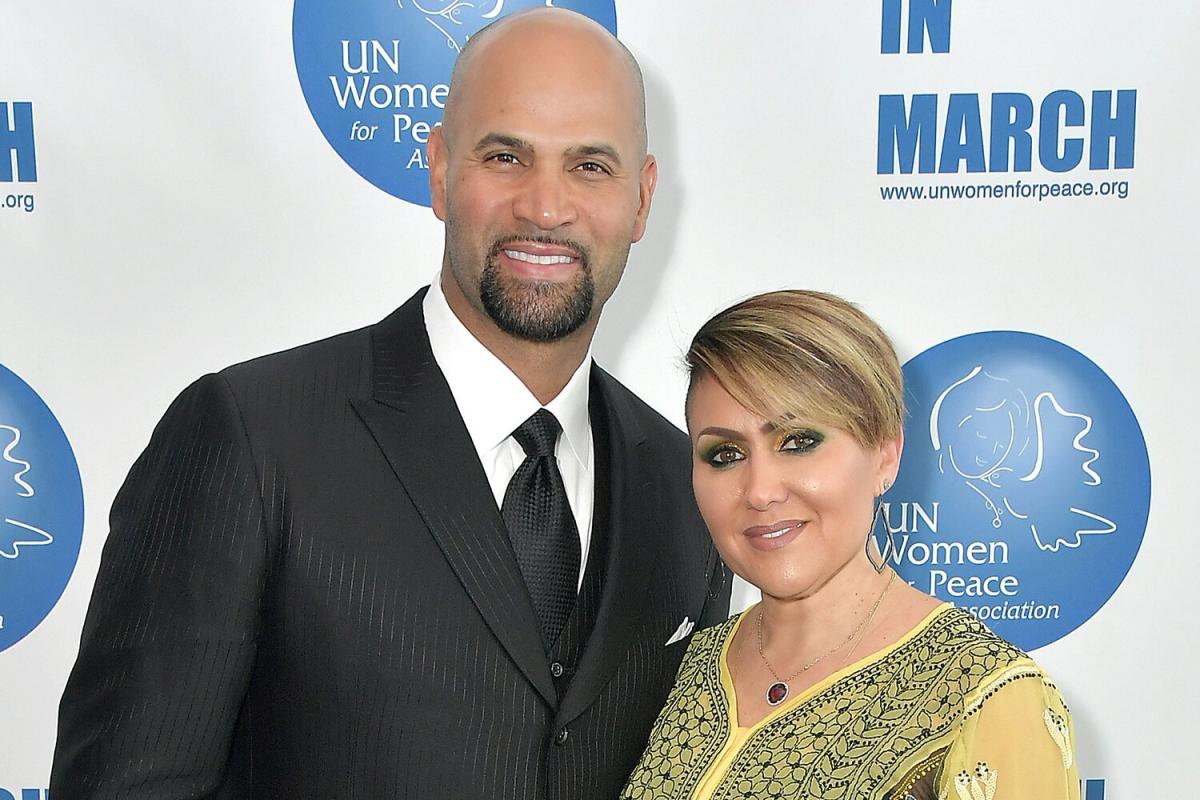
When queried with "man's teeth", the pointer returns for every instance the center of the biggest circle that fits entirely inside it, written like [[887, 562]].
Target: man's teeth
[[530, 258]]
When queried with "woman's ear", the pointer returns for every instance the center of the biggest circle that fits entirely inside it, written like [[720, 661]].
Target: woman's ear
[[889, 461]]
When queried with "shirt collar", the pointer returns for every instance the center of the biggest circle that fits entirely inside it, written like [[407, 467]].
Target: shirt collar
[[490, 397]]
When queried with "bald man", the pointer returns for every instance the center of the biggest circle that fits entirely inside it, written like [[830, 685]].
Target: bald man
[[444, 556]]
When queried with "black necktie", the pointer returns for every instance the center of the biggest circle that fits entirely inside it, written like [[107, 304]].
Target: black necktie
[[541, 525]]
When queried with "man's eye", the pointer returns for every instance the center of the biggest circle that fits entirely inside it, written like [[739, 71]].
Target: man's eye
[[594, 167], [801, 441], [504, 158]]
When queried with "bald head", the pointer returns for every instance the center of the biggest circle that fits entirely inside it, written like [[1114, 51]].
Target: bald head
[[566, 39]]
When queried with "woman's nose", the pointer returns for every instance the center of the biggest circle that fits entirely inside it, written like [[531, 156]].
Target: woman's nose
[[764, 483]]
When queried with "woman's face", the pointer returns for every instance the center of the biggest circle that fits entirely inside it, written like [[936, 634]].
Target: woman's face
[[788, 510]]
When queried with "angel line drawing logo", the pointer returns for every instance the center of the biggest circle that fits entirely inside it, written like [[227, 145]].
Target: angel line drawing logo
[[40, 537], [451, 14], [376, 74], [41, 510], [1025, 484], [987, 446]]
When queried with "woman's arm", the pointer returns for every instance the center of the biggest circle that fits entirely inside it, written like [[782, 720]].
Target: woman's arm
[[1017, 744]]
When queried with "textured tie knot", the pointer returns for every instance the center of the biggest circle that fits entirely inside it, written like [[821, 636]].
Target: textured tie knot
[[539, 434]]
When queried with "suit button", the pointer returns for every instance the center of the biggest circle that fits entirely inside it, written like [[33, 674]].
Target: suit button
[[556, 669], [561, 737]]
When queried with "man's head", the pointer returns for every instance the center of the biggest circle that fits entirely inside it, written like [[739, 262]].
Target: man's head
[[540, 173]]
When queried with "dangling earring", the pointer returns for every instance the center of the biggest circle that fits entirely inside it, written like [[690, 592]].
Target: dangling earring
[[721, 585], [890, 547]]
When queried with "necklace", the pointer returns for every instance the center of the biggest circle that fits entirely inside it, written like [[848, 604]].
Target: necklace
[[777, 692]]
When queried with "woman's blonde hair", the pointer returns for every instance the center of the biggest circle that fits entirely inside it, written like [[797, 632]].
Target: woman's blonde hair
[[802, 356]]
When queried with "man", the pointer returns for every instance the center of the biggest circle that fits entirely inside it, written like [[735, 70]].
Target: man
[[372, 566]]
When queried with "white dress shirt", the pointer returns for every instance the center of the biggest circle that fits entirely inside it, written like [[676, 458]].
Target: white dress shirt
[[493, 403]]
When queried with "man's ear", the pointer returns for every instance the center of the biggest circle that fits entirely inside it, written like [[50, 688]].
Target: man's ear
[[438, 156], [647, 181]]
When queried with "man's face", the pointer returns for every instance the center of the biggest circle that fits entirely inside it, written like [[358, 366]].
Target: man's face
[[542, 181]]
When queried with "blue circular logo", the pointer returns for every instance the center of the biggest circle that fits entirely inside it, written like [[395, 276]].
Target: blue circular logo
[[376, 73], [1025, 485], [41, 510]]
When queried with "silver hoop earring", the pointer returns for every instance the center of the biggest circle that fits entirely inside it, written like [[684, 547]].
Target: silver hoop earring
[[890, 546]]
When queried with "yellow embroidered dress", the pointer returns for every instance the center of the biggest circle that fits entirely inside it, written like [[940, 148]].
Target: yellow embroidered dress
[[949, 712]]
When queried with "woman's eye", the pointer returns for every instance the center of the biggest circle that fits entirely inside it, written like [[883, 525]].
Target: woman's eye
[[801, 442], [723, 456]]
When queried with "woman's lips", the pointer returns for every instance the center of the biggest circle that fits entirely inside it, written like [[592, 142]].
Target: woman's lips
[[775, 535]]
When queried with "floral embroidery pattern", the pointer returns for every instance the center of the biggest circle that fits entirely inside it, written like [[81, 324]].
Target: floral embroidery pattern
[[864, 736], [980, 786], [1061, 734], [692, 726]]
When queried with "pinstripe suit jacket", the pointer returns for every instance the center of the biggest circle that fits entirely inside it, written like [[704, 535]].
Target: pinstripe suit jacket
[[308, 591]]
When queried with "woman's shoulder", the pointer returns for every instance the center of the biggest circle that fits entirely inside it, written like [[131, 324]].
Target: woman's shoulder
[[713, 638], [961, 674], [1008, 723], [978, 661], [704, 647], [959, 632]]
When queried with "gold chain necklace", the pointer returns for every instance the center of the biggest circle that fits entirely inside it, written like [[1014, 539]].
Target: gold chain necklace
[[777, 692]]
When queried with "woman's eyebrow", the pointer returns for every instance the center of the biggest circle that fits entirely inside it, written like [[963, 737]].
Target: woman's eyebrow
[[726, 433]]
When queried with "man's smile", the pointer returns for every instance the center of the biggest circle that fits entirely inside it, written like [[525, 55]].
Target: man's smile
[[539, 261], [531, 258]]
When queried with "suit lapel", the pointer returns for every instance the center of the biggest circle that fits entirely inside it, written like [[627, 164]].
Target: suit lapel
[[633, 524], [414, 420]]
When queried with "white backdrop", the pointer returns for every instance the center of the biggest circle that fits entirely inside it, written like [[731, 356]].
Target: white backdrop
[[189, 214]]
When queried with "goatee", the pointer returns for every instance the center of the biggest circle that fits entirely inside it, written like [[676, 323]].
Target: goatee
[[540, 311]]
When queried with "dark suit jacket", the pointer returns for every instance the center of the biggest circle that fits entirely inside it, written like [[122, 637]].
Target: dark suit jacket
[[308, 591]]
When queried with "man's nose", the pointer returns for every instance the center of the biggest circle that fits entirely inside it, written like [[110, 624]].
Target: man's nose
[[764, 483], [545, 199]]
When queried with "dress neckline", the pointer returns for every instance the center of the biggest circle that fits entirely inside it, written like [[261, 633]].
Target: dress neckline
[[800, 698]]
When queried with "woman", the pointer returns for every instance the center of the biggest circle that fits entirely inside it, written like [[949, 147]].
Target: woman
[[844, 682]]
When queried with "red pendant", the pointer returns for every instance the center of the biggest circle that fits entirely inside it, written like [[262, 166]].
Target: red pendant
[[777, 693]]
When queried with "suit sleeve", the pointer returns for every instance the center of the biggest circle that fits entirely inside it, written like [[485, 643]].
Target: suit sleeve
[[169, 640]]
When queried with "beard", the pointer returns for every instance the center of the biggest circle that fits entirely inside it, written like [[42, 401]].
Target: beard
[[539, 311]]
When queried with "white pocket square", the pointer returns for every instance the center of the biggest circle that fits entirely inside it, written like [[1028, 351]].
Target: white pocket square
[[683, 630]]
